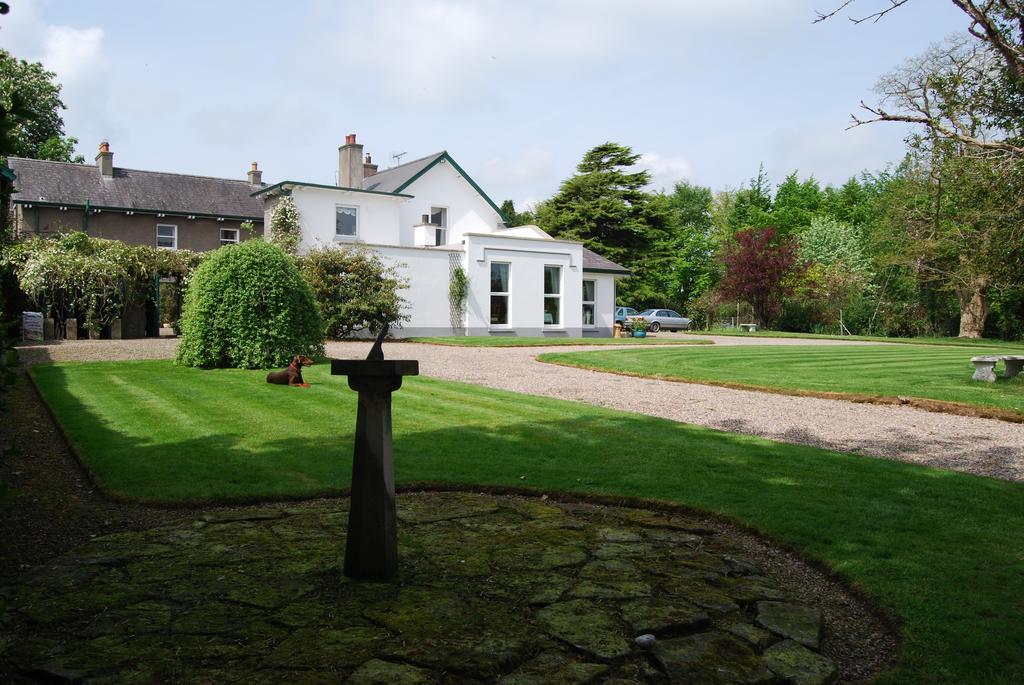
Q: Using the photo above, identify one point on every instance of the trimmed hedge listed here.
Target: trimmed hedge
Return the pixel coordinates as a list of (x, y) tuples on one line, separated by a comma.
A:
[(247, 306)]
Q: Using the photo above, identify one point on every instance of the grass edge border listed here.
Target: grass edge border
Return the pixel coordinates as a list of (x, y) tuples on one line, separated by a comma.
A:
[(923, 403)]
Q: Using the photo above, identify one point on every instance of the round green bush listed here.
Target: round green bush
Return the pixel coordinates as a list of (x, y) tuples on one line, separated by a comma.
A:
[(247, 306)]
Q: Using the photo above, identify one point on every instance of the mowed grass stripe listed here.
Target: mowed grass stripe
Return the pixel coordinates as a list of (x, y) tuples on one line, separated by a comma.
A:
[(884, 371)]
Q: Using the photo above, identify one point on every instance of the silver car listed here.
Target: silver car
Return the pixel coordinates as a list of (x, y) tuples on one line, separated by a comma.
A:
[(665, 318)]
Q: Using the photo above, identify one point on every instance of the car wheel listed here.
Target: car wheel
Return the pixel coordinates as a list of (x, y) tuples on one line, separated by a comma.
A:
[(655, 327)]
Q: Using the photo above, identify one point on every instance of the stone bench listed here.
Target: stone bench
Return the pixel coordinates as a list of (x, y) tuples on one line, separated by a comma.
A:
[(748, 327), (985, 367)]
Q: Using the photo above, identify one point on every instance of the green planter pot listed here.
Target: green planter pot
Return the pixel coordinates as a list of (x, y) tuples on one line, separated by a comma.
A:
[(639, 334)]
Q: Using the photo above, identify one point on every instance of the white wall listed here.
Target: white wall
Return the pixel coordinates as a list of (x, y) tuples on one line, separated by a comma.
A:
[(378, 216), (427, 271), (604, 303), (527, 259), (442, 186)]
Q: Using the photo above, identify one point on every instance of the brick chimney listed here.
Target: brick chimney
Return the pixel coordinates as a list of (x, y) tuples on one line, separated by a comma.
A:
[(255, 176), (369, 168), (105, 160), (350, 163)]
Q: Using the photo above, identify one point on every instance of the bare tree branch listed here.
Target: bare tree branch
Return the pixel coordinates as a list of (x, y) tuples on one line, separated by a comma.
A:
[(874, 17)]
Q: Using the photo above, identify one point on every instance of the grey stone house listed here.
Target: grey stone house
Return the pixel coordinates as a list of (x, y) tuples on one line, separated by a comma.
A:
[(165, 210)]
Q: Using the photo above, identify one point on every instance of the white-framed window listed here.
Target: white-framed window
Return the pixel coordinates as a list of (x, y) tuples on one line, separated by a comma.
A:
[(228, 236), (500, 272), (589, 296), (552, 295), (167, 236), (346, 222), (439, 218)]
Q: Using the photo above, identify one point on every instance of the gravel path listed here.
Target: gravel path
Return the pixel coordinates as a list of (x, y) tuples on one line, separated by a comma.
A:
[(980, 446)]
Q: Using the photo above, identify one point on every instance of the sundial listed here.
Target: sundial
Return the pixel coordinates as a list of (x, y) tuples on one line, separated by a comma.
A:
[(371, 550)]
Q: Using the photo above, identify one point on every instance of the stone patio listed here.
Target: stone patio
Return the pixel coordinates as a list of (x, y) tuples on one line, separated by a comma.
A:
[(490, 588)]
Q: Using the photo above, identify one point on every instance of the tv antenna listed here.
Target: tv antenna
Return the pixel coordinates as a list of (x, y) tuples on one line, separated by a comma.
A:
[(397, 156)]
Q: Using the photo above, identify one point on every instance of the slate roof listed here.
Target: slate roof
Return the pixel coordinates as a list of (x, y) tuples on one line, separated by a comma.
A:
[(595, 262), (390, 180), (74, 184)]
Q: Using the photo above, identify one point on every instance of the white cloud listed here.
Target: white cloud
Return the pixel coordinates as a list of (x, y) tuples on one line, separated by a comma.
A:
[(77, 57), (455, 54), (529, 166), (665, 171)]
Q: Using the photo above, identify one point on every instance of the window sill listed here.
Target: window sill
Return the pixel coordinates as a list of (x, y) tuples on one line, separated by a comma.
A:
[(345, 238)]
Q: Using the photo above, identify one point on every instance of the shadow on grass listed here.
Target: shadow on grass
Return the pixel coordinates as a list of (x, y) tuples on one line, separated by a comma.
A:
[(939, 548)]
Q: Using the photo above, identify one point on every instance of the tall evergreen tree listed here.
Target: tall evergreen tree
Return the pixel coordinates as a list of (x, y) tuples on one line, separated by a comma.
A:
[(605, 206)]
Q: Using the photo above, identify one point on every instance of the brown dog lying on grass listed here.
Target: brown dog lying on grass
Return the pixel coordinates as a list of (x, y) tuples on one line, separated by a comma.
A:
[(293, 374)]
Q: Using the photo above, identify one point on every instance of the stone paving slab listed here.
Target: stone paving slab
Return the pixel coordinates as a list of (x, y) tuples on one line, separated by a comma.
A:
[(489, 590)]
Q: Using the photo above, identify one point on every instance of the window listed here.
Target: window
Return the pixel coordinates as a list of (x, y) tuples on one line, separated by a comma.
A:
[(552, 296), (167, 236), (346, 221), (228, 236), (439, 218), (589, 289), (499, 293)]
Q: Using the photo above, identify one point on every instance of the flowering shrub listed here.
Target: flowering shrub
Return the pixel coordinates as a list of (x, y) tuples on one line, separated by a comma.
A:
[(285, 225), (74, 273)]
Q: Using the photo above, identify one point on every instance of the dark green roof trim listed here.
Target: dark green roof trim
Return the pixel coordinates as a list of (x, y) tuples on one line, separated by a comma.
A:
[(444, 156), (321, 185), (6, 172), (617, 272), (137, 210)]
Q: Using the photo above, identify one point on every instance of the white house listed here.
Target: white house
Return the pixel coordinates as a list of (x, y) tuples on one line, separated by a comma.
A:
[(429, 217)]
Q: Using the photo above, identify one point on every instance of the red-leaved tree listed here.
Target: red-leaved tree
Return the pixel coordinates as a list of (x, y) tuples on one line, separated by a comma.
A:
[(760, 269)]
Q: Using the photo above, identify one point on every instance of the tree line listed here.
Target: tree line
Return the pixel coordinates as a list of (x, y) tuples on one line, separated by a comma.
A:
[(931, 246)]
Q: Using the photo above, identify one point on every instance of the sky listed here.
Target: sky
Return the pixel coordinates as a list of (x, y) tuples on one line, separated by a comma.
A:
[(517, 92)]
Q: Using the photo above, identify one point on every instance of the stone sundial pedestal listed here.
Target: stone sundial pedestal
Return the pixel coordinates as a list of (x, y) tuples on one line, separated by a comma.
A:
[(371, 550)]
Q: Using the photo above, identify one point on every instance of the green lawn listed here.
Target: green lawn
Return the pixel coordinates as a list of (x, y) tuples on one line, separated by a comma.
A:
[(933, 340), (511, 341), (931, 372), (941, 550)]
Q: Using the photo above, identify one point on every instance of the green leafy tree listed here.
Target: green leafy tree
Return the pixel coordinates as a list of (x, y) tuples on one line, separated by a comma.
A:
[(828, 241), (752, 206), (508, 208), (692, 270), (354, 289), (796, 203), (958, 222), (286, 225), (606, 207), (30, 91), (247, 306)]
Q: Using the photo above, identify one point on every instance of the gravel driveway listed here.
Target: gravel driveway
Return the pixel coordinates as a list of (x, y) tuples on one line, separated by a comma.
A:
[(980, 446)]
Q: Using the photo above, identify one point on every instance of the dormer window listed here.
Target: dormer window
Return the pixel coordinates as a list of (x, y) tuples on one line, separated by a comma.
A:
[(439, 218), (346, 222)]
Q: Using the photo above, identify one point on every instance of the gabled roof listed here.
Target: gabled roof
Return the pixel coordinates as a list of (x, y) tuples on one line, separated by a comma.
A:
[(398, 178), (595, 262), (45, 182), (285, 188)]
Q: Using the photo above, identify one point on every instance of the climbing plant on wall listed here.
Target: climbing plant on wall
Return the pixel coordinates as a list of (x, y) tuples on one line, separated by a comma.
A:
[(458, 292), (74, 274), (285, 225)]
